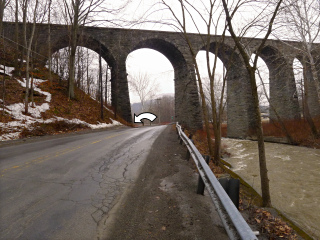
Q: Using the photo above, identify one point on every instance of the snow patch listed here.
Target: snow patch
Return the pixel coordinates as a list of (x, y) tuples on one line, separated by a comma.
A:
[(92, 126), (24, 121), (105, 125), (8, 70), (9, 136)]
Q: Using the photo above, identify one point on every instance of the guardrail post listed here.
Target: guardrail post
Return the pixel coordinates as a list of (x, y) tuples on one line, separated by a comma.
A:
[(188, 155), (232, 188), (201, 184)]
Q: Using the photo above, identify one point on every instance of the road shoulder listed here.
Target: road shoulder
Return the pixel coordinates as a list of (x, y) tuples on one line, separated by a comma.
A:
[(162, 203)]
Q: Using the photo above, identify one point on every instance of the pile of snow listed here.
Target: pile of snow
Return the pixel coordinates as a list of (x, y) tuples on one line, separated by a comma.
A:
[(22, 121), (92, 126)]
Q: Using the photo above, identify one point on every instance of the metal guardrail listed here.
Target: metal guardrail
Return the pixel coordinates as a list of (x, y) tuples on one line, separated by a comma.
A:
[(234, 224)]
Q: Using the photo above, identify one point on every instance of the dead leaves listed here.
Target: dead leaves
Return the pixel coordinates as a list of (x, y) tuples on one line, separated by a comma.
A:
[(275, 227)]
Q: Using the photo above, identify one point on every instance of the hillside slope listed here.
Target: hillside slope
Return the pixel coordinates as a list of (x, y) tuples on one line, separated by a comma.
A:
[(51, 112)]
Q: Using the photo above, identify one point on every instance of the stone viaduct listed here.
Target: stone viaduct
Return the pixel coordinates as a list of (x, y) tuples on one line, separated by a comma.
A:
[(117, 44)]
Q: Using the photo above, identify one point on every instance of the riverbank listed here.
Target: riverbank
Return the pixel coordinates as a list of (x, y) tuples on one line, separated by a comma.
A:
[(293, 174), (268, 221)]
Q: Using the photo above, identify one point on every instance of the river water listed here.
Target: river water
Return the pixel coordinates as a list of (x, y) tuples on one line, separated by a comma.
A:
[(294, 174)]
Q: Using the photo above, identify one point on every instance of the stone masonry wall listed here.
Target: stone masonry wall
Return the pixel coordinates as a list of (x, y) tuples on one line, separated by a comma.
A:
[(117, 44)]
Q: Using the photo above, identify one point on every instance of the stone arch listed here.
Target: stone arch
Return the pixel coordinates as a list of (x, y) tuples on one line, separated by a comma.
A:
[(94, 45), (87, 42), (240, 111), (283, 97), (187, 106)]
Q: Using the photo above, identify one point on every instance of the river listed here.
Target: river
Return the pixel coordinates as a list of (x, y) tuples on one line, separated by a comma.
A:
[(294, 174)]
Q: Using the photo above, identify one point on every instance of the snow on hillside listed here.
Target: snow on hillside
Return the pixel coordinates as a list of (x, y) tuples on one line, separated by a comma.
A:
[(23, 121)]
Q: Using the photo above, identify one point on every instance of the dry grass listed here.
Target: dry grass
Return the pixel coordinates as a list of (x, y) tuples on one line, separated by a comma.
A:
[(82, 107), (298, 129)]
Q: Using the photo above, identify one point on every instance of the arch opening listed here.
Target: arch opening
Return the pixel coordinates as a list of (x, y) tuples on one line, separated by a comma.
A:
[(151, 85), (88, 50), (263, 86), (86, 72), (186, 101)]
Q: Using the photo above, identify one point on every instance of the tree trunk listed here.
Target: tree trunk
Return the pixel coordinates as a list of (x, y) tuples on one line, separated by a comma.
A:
[(16, 63), (72, 71), (101, 87), (32, 83), (217, 142), (28, 54), (106, 87), (88, 80), (216, 116), (2, 7), (205, 115), (265, 189), (49, 42), (24, 6), (72, 58), (31, 90), (3, 89)]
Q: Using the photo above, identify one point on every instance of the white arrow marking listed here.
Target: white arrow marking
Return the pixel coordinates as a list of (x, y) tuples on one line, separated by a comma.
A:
[(146, 115)]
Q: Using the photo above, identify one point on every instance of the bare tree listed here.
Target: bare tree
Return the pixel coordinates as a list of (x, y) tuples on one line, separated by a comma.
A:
[(251, 69), (166, 108), (100, 84), (49, 40), (3, 5), (60, 63), (106, 85), (304, 17), (77, 13), (144, 87), (16, 19), (28, 44), (219, 86), (3, 90), (89, 78), (302, 20)]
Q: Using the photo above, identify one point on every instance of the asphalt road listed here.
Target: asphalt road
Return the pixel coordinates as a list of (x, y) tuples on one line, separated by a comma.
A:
[(63, 188)]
